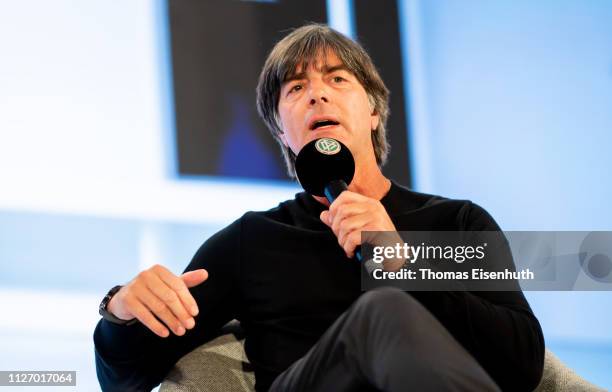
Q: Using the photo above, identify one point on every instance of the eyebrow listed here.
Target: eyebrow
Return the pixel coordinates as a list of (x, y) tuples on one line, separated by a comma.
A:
[(325, 69)]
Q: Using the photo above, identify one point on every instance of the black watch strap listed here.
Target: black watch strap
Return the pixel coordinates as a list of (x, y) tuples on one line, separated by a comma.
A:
[(106, 315)]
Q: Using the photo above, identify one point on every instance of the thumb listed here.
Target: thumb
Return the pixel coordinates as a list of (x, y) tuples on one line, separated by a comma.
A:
[(195, 277)]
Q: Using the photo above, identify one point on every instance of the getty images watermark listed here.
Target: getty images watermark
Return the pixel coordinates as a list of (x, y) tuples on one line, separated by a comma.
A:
[(488, 260)]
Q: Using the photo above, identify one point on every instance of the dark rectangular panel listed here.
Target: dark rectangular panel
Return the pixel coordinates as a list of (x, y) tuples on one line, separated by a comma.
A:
[(218, 49)]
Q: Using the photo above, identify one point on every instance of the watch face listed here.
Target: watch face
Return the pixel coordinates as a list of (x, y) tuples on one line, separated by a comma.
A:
[(107, 299), (106, 315)]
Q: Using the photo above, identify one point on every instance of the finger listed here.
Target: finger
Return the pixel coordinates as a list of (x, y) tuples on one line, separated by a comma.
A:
[(340, 200), (168, 318), (352, 241), (345, 212), (325, 217), (350, 224), (161, 310), (143, 314), (172, 301), (347, 197), (180, 288), (195, 277)]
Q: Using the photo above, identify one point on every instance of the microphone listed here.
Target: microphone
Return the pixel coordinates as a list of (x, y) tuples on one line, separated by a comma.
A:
[(325, 167)]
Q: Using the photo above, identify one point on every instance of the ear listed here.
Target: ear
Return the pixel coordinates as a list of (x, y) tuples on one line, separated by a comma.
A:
[(374, 121), (374, 117)]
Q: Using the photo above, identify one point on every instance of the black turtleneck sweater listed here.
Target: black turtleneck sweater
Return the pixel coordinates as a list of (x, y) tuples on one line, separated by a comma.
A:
[(283, 275)]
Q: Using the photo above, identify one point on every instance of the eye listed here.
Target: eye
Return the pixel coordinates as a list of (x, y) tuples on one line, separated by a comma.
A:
[(295, 88), (338, 79)]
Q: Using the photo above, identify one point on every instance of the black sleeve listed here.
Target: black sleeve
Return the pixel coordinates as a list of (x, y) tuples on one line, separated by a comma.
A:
[(133, 358), (498, 328)]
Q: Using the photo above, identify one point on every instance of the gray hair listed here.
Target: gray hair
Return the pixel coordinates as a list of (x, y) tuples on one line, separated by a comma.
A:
[(301, 47)]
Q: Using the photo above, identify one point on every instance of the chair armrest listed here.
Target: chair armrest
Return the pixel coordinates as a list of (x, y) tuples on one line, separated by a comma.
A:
[(219, 365)]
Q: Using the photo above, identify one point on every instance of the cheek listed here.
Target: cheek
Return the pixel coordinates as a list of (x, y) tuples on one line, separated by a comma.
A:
[(287, 118), (282, 117), (364, 120), (289, 135), (358, 110)]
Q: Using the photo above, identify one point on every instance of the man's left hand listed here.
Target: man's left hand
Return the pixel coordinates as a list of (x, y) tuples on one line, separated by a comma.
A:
[(350, 214)]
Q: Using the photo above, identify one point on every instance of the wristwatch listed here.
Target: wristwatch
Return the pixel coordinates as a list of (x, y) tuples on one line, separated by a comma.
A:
[(106, 315)]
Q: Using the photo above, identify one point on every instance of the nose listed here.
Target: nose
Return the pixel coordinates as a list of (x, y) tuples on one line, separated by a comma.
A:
[(319, 97), (318, 94)]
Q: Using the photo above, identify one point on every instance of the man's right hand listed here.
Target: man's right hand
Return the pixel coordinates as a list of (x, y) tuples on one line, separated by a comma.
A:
[(157, 292)]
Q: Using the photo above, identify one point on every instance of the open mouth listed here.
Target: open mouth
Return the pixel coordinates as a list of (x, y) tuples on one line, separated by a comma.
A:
[(323, 123)]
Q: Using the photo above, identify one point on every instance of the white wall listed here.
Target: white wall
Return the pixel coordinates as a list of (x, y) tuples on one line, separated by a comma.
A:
[(86, 117), (511, 105)]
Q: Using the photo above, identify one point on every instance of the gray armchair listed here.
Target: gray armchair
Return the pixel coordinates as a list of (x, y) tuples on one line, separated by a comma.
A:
[(221, 366)]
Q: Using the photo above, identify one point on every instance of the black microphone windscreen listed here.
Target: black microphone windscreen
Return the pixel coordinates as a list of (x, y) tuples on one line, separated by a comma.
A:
[(322, 161)]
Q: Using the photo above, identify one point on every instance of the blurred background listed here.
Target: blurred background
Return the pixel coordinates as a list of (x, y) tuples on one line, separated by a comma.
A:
[(128, 135)]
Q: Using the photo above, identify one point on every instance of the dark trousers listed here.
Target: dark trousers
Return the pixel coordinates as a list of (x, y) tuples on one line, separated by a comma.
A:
[(386, 341)]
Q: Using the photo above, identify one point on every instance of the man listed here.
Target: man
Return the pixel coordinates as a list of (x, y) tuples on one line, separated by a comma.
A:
[(289, 276)]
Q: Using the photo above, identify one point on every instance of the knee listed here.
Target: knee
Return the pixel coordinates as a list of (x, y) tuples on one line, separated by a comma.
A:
[(381, 318), (386, 297), (386, 301)]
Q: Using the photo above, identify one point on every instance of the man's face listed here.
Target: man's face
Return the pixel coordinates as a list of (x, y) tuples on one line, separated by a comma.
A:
[(326, 100)]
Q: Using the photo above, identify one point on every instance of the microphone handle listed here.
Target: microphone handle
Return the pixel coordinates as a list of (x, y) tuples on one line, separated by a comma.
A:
[(332, 190)]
